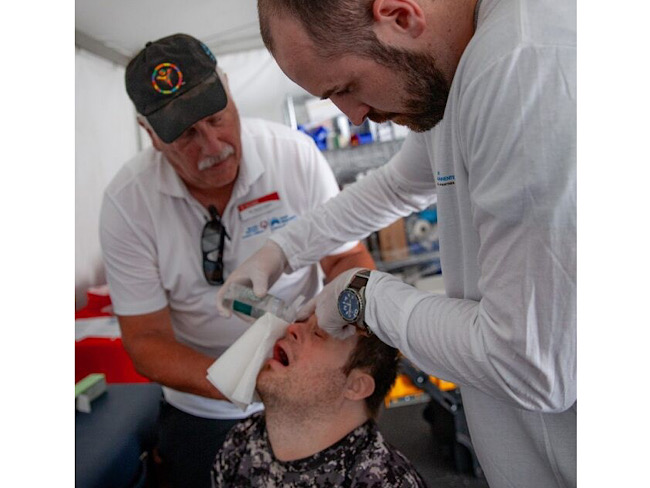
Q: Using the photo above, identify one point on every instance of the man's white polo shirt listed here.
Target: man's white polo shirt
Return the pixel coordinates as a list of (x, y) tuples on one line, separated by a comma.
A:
[(150, 230)]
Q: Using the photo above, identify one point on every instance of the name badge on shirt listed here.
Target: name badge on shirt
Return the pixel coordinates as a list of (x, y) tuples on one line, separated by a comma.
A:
[(259, 206)]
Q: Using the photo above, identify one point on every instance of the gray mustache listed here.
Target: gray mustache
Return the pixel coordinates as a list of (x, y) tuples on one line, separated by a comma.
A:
[(212, 160)]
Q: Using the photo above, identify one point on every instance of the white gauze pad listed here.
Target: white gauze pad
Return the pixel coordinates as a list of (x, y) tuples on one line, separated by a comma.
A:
[(235, 372)]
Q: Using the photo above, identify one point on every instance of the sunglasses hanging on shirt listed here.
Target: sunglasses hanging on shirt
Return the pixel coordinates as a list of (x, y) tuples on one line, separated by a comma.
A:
[(213, 239)]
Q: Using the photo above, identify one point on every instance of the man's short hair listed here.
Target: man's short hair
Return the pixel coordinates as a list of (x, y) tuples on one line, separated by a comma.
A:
[(380, 361), (335, 26)]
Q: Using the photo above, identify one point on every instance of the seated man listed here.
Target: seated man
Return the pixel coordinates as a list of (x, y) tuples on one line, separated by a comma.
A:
[(179, 216), (322, 396)]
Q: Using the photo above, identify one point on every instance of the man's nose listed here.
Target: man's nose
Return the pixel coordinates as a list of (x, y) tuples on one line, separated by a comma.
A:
[(356, 111), (296, 330), (209, 139)]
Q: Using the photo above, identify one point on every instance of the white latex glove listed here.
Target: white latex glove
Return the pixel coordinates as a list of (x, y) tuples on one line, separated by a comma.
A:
[(325, 304), (259, 271)]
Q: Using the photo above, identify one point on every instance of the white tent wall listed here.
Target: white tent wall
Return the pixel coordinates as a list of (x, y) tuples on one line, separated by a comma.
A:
[(107, 135), (258, 86)]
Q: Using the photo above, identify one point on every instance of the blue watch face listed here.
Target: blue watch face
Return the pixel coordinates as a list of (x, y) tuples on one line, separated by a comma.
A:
[(349, 306)]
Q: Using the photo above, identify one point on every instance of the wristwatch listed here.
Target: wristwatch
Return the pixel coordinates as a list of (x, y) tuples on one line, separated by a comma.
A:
[(352, 301)]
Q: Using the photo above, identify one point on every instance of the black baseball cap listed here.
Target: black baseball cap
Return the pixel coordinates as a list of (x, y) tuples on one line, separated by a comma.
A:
[(173, 82)]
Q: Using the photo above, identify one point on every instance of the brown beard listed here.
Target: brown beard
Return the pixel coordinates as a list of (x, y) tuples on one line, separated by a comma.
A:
[(296, 397), (425, 83)]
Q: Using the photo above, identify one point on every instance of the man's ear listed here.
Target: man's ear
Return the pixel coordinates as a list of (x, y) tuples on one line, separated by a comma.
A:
[(359, 385), (398, 18)]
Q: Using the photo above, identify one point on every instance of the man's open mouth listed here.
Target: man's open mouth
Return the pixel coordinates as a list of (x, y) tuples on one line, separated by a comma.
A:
[(280, 356)]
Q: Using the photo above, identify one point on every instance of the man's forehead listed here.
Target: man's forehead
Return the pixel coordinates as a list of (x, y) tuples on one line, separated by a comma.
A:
[(295, 52)]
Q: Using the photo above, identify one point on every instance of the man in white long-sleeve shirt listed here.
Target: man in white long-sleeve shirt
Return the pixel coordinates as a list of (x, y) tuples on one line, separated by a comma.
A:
[(489, 89)]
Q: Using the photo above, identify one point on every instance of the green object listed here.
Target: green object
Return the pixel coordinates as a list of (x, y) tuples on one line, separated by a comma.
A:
[(88, 382), (242, 299), (241, 307)]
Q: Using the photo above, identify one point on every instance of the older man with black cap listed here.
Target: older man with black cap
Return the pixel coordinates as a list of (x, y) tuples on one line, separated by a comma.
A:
[(183, 213)]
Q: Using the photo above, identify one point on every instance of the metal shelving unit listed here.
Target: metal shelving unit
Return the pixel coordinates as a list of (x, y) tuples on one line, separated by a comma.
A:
[(349, 162)]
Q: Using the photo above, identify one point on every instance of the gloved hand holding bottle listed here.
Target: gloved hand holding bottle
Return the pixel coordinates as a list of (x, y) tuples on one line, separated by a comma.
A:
[(260, 271)]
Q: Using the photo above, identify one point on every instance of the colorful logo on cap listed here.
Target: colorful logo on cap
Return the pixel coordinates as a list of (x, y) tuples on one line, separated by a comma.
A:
[(166, 78)]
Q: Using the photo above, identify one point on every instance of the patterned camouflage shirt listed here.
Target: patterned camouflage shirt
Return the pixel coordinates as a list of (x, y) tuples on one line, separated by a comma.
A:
[(362, 459)]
